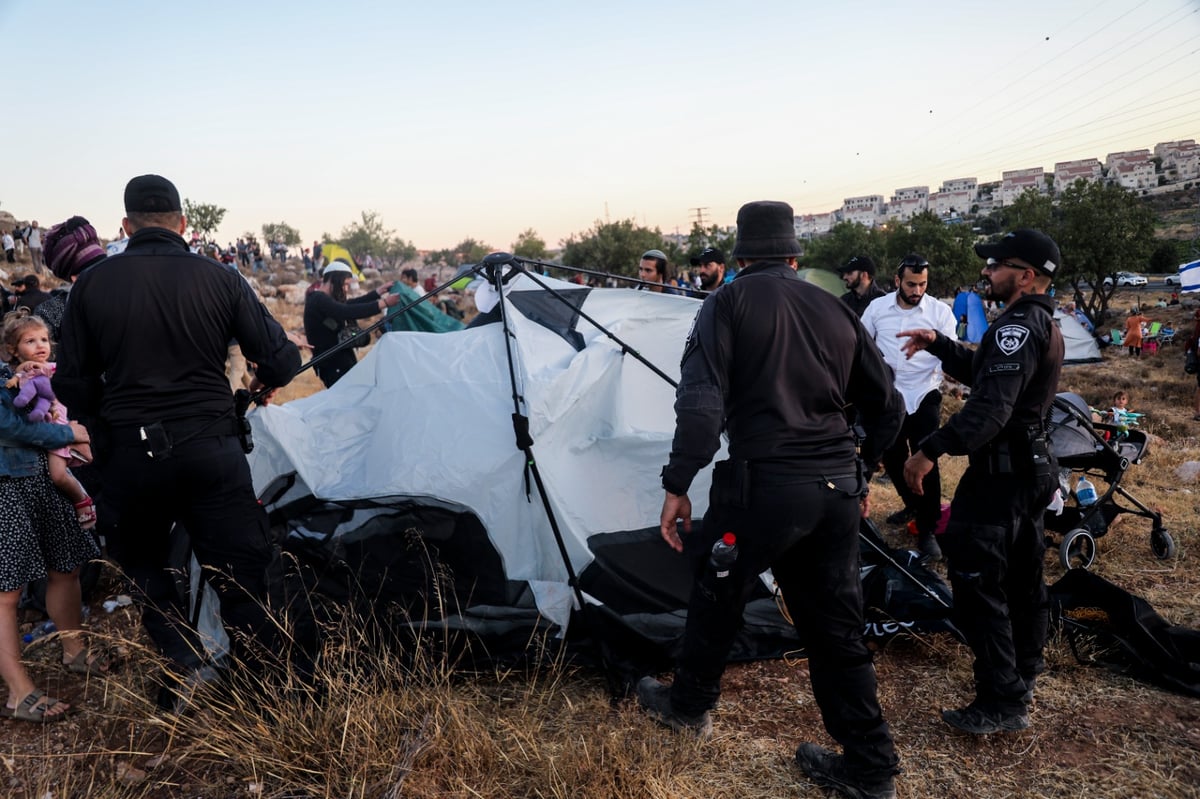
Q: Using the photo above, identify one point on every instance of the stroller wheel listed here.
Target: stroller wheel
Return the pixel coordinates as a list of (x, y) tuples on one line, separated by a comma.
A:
[(1161, 544), (1077, 550)]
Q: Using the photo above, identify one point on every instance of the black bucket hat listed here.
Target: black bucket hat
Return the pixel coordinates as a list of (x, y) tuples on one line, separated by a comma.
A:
[(766, 229)]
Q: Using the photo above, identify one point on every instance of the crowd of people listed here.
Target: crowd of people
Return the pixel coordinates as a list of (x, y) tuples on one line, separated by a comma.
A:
[(165, 440)]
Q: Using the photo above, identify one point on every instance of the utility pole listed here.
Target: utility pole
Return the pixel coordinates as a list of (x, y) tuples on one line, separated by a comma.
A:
[(699, 212)]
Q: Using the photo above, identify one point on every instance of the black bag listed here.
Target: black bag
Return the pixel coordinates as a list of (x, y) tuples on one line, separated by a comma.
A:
[(1190, 364), (351, 332)]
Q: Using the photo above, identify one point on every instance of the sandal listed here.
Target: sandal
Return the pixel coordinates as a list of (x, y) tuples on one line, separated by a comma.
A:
[(37, 708), (93, 664), (85, 513)]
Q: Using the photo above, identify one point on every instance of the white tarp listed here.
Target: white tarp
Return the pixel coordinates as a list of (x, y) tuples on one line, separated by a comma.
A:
[(429, 416)]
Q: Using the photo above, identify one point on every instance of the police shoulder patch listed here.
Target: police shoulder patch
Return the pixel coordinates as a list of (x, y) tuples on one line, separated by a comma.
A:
[(1011, 338)]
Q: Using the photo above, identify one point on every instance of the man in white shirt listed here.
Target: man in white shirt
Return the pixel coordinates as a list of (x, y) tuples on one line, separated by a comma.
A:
[(919, 381)]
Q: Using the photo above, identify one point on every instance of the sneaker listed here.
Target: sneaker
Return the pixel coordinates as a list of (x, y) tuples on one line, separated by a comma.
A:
[(655, 698), (902, 516), (829, 771), (977, 721), (927, 545)]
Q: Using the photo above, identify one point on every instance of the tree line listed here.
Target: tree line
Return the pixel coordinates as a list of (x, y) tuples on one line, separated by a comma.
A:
[(1101, 229)]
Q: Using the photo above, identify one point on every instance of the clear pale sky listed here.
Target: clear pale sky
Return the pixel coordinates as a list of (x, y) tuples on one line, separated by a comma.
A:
[(460, 119)]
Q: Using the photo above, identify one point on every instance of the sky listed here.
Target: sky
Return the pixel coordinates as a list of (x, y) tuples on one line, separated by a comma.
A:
[(482, 120)]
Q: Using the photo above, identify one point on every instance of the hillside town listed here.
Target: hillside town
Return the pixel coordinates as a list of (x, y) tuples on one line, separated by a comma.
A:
[(1170, 166)]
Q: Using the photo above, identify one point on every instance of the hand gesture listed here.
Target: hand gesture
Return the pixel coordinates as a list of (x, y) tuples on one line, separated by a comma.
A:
[(917, 341)]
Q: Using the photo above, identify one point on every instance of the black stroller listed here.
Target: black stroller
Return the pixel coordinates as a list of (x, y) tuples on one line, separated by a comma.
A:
[(1084, 447)]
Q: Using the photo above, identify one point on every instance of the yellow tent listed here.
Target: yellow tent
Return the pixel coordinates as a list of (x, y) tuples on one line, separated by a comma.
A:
[(335, 252)]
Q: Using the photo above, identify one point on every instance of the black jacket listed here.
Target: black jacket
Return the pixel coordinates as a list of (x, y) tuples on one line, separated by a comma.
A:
[(778, 361), (1013, 378), (859, 304), (324, 317), (147, 332)]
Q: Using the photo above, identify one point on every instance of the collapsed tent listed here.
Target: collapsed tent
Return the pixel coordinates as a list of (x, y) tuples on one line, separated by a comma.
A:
[(406, 477), (1079, 346)]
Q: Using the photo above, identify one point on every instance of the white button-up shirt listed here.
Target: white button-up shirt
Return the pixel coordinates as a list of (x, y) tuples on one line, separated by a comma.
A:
[(916, 376)]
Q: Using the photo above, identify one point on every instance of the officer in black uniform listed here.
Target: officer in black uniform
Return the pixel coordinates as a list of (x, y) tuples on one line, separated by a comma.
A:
[(994, 539), (859, 276), (776, 361), (142, 358)]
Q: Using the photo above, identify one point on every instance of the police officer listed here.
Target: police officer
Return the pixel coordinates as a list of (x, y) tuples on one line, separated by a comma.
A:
[(994, 539), (776, 361), (142, 358)]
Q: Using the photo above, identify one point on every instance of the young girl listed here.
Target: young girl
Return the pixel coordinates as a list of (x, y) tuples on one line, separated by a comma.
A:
[(39, 537), (27, 340)]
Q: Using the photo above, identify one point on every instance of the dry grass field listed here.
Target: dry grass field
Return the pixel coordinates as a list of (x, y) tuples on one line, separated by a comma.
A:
[(390, 729)]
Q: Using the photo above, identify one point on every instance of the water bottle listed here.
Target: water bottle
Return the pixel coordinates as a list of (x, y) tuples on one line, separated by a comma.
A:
[(1085, 492), (43, 629), (718, 579)]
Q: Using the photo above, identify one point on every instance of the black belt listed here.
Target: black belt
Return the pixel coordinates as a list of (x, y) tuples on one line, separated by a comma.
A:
[(180, 431)]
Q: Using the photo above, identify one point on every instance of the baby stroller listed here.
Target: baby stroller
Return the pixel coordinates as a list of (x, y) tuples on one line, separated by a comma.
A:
[(1084, 447)]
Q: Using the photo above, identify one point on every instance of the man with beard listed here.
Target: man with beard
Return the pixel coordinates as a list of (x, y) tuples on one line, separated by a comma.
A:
[(919, 380), (994, 539), (861, 290), (710, 266)]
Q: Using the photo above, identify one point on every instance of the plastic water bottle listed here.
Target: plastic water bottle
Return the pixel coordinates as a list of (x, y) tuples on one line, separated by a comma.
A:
[(43, 629), (718, 578), (1085, 492)]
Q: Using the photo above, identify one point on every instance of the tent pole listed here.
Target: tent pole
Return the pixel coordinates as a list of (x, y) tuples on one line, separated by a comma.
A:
[(394, 312), (625, 348), (494, 272)]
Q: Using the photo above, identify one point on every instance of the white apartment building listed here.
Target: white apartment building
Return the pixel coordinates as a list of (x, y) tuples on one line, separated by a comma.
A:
[(955, 197), (908, 202), (1016, 182), (1067, 172), (1127, 158), (809, 225), (1132, 169), (1180, 159), (866, 210)]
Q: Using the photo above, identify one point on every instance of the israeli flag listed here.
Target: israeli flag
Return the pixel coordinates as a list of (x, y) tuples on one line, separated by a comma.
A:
[(1189, 276)]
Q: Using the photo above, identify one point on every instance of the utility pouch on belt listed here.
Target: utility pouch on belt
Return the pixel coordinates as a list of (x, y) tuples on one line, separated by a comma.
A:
[(241, 404), (1043, 461), (156, 440), (731, 479)]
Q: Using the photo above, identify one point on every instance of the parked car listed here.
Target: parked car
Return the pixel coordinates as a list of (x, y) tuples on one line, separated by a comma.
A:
[(1126, 279), (1173, 280)]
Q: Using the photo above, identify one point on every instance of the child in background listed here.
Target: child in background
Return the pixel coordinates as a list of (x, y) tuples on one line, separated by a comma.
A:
[(27, 341)]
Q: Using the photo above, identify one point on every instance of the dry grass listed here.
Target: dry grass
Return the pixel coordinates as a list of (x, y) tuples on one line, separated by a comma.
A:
[(388, 726)]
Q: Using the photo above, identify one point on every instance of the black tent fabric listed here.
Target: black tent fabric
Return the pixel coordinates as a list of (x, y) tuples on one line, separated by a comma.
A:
[(406, 568), (1134, 637)]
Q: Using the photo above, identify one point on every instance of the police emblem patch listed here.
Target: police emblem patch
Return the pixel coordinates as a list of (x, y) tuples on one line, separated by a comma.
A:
[(1011, 338)]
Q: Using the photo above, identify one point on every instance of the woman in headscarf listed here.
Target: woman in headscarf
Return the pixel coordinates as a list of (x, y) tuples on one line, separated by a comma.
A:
[(68, 248)]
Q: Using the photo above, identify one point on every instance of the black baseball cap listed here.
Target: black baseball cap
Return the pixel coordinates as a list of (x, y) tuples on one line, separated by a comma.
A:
[(707, 256), (1031, 246), (151, 194), (859, 263), (27, 281)]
